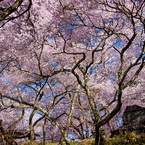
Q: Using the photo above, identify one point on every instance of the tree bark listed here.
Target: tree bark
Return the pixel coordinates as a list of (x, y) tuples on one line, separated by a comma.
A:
[(32, 135), (100, 136), (97, 136), (44, 132)]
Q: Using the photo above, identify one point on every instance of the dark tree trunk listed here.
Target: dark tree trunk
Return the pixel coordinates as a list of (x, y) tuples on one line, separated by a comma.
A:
[(99, 136)]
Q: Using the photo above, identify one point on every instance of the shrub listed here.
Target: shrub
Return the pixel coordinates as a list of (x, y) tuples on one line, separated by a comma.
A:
[(129, 138)]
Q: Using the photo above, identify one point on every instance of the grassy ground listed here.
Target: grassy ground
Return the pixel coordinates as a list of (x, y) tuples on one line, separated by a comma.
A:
[(36, 143), (123, 139), (86, 142), (83, 142)]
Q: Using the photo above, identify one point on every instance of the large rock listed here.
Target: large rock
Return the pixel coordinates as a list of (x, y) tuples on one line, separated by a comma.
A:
[(133, 120)]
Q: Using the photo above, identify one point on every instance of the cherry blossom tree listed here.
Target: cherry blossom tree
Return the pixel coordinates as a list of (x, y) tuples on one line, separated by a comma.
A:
[(74, 63), (12, 9)]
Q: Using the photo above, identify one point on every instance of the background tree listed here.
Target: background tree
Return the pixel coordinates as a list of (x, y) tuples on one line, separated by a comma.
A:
[(11, 9), (74, 63)]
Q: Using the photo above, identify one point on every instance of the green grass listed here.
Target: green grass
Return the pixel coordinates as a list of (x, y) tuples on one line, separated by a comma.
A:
[(82, 142), (123, 139)]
